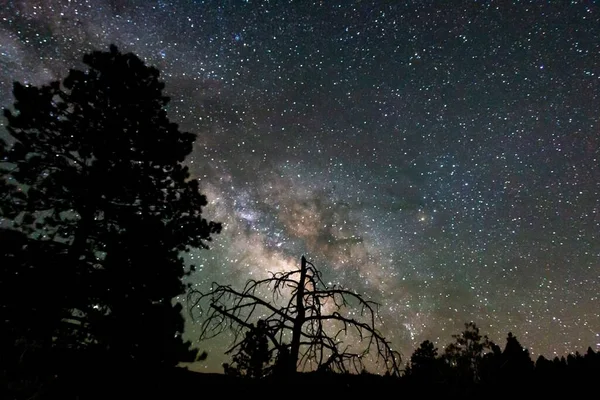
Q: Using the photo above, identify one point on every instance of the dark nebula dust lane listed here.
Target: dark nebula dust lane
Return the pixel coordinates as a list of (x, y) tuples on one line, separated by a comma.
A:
[(443, 159)]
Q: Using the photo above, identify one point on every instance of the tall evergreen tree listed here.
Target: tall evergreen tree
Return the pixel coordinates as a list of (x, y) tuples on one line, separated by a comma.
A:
[(466, 353), (425, 363), (96, 179), (516, 362), (254, 357)]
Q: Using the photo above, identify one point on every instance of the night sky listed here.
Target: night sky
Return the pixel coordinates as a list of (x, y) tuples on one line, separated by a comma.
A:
[(440, 156)]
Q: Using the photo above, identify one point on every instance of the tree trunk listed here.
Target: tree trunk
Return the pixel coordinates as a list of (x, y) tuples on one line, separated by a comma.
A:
[(299, 320)]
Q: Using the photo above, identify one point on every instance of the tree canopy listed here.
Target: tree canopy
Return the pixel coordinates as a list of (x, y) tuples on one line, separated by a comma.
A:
[(97, 206), (466, 352)]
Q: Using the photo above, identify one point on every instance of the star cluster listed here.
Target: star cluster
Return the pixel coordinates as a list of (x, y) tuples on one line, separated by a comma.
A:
[(442, 158)]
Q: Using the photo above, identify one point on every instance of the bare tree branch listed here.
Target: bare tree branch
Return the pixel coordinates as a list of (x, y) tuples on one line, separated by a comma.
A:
[(304, 319)]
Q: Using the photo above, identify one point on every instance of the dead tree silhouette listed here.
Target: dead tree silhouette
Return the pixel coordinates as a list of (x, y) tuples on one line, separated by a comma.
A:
[(302, 334)]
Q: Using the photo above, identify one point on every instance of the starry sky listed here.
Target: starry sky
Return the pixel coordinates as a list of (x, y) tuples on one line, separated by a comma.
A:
[(440, 156)]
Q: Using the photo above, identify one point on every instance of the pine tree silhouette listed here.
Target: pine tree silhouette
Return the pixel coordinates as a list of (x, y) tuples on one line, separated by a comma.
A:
[(100, 207), (254, 357), (516, 363), (466, 353), (425, 365)]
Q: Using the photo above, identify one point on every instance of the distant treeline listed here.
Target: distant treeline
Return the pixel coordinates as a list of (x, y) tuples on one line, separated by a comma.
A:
[(472, 365), (473, 362)]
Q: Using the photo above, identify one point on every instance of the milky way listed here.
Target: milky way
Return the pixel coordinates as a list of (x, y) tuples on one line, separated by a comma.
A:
[(442, 159)]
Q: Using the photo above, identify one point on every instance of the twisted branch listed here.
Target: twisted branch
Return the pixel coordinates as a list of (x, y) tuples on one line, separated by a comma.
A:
[(321, 333)]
